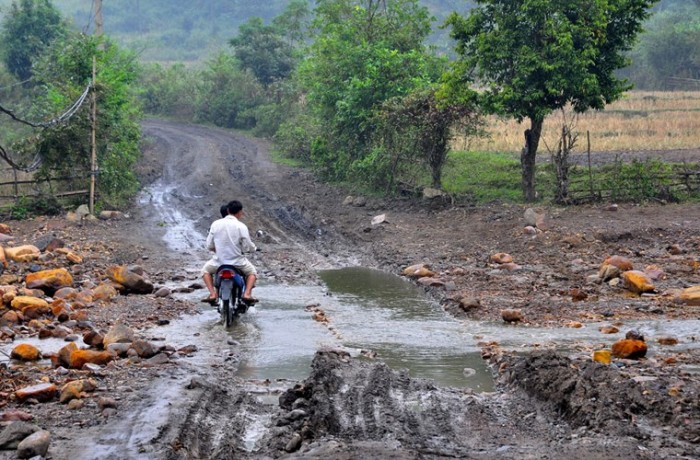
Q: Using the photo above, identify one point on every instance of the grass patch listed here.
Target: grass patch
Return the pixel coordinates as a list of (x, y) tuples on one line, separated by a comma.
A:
[(483, 176)]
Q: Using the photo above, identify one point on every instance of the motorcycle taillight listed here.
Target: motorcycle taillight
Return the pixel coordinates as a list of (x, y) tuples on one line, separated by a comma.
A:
[(226, 274)]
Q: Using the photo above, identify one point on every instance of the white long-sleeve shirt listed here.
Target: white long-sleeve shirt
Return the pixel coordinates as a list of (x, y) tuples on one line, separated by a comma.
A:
[(229, 238)]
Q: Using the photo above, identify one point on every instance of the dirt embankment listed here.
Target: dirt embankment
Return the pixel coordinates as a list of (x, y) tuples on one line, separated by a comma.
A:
[(550, 404)]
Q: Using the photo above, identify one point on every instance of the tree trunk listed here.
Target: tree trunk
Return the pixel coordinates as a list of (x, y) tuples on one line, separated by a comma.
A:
[(527, 158)]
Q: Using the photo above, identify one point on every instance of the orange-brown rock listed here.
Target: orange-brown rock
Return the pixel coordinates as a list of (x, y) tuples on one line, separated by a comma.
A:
[(637, 282), (76, 389), (80, 315), (501, 258), (691, 296), (623, 263), (602, 356), (10, 292), (79, 358), (85, 297), (42, 392), (23, 253), (654, 272), (667, 341), (26, 352), (22, 302), (104, 291), (12, 316), (66, 293), (512, 315), (418, 271), (629, 349), (5, 229), (577, 295), (63, 356), (133, 282), (35, 311), (609, 330), (50, 280)]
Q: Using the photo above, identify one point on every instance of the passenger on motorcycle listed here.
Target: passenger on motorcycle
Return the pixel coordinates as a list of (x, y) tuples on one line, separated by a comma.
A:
[(229, 238)]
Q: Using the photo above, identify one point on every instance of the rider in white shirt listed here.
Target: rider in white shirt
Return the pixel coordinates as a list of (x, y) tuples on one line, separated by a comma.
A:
[(229, 238)]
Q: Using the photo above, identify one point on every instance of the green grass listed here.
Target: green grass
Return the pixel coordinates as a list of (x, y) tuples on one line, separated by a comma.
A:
[(484, 177)]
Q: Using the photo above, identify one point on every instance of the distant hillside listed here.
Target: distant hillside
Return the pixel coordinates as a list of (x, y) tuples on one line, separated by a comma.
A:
[(189, 30)]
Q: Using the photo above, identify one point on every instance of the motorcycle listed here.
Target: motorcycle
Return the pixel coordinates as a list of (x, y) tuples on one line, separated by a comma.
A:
[(230, 286)]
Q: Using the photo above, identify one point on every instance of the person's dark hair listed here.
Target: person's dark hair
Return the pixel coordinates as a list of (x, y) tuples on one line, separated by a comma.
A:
[(234, 206), (224, 210)]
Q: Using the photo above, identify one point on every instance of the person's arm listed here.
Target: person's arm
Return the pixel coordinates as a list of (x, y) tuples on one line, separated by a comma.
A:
[(247, 244), (210, 241)]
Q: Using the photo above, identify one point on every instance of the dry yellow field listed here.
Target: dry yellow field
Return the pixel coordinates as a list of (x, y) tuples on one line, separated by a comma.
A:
[(641, 120)]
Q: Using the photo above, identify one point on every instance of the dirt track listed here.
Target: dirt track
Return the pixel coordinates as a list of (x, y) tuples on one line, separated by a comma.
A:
[(549, 404)]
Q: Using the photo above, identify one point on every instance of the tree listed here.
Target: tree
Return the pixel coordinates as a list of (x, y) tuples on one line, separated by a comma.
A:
[(365, 52), (536, 56), (62, 73), (417, 129), (263, 50), (27, 30)]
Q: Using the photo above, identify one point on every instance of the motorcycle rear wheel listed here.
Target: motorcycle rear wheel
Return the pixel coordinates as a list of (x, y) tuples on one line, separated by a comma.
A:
[(227, 312)]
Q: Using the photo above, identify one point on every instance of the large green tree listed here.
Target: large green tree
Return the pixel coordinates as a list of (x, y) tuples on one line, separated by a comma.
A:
[(364, 53), (27, 30), (62, 73), (532, 57)]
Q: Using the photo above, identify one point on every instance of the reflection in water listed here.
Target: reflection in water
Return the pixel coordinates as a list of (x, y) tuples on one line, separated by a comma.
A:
[(391, 317)]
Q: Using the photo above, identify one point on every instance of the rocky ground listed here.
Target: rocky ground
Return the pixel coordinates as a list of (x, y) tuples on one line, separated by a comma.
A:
[(543, 267)]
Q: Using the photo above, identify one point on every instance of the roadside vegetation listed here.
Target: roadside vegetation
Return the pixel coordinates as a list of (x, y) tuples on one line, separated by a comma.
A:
[(367, 95)]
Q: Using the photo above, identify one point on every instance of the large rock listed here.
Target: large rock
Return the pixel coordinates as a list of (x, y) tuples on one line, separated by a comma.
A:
[(42, 392), (131, 281), (417, 271), (79, 358), (26, 352), (34, 445), (119, 333), (637, 282), (75, 389), (621, 262), (690, 296), (24, 253), (14, 433), (22, 302), (629, 349), (49, 280)]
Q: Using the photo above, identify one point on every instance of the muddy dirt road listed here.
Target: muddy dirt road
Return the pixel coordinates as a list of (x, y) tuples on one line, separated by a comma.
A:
[(551, 401)]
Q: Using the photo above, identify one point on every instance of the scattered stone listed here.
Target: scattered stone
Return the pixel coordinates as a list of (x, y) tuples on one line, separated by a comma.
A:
[(667, 341), (512, 315), (621, 262), (75, 404), (501, 258), (629, 349), (15, 416), (430, 282), (163, 292), (14, 433), (119, 333), (468, 303), (103, 402), (144, 349), (380, 219), (418, 271), (104, 291), (294, 444), (578, 295), (24, 253), (42, 392), (602, 356), (157, 360), (22, 302), (130, 280), (609, 330), (79, 358), (690, 296), (637, 282), (49, 280), (654, 272), (25, 352)]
